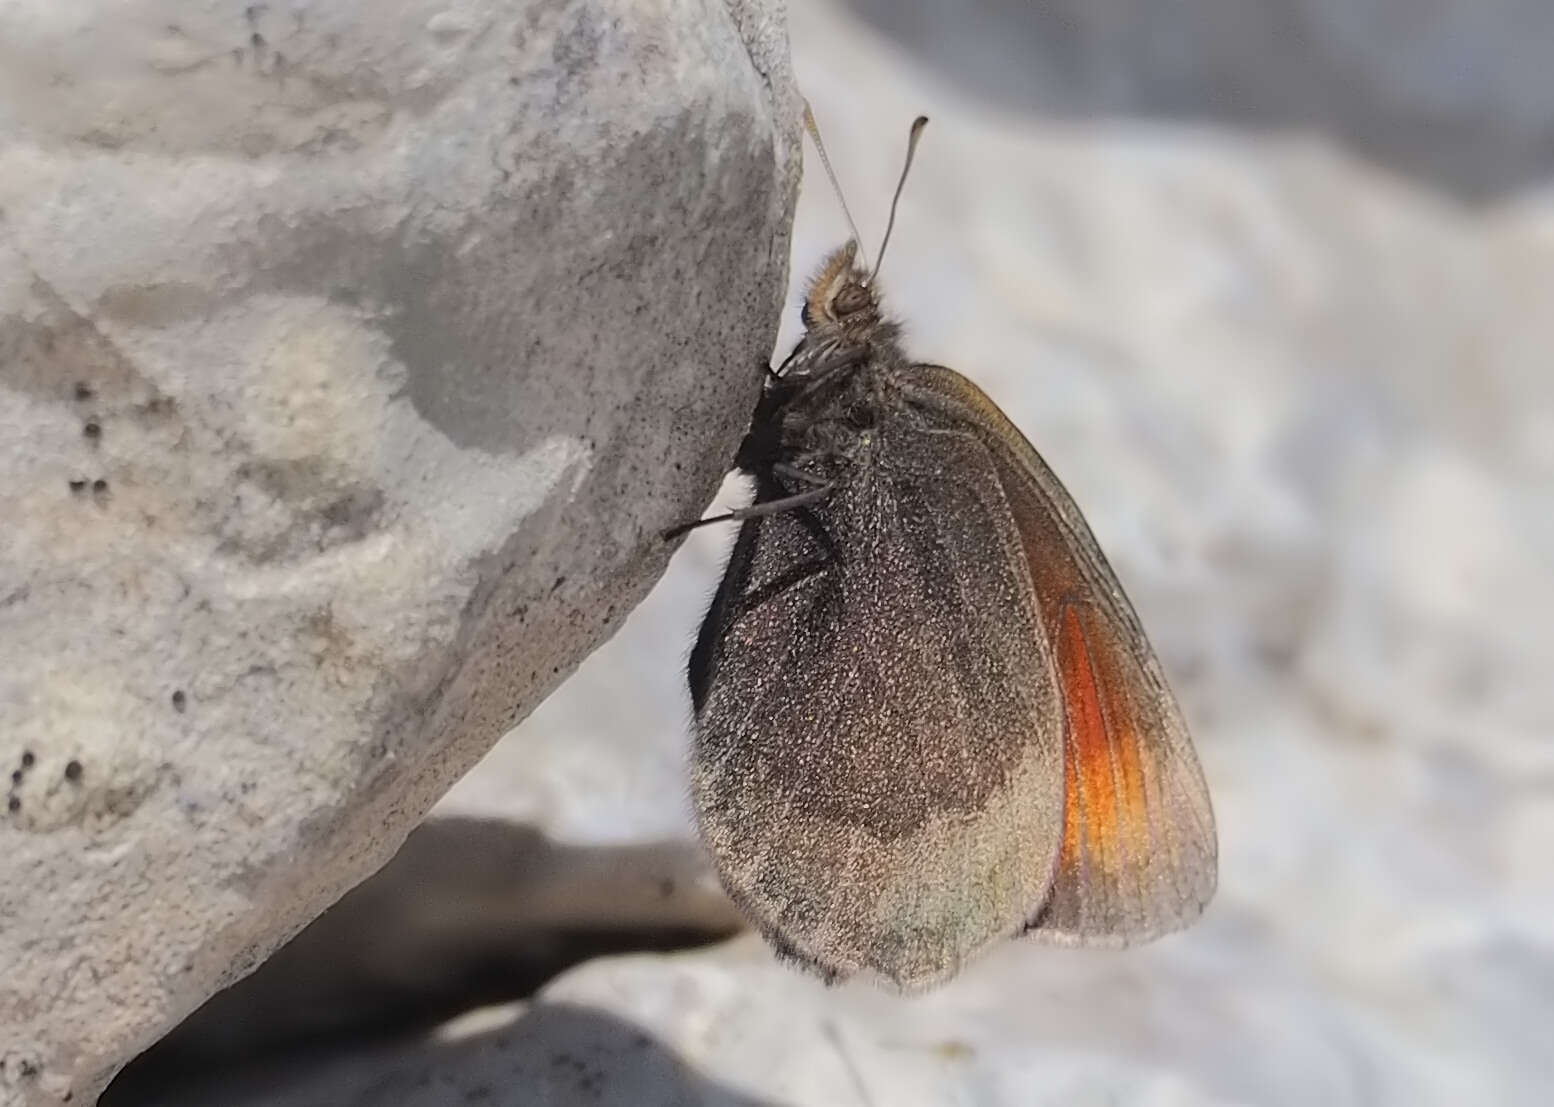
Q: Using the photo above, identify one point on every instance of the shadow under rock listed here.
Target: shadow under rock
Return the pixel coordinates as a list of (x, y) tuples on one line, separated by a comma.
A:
[(469, 912), (549, 1055), (1458, 93)]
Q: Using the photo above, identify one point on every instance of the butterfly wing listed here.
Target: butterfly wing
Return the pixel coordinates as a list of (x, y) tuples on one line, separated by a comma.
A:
[(1138, 853), (878, 768)]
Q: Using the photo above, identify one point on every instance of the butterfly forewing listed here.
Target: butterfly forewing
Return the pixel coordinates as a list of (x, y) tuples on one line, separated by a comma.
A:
[(879, 764), (1138, 850)]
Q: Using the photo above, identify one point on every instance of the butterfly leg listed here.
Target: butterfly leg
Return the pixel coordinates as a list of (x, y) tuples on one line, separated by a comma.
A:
[(754, 511), (819, 489)]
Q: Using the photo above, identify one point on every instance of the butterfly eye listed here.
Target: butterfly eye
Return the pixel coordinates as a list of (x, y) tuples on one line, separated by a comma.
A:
[(853, 298), (804, 314)]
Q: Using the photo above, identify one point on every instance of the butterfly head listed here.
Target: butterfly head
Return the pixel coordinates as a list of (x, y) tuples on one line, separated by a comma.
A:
[(842, 304), (842, 309)]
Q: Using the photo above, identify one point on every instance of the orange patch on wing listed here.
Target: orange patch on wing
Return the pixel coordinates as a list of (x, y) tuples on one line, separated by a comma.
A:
[(1106, 816)]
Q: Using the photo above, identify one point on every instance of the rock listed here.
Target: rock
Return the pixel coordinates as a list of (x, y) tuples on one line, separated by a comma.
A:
[(351, 360), (468, 912), (545, 1055), (1455, 93)]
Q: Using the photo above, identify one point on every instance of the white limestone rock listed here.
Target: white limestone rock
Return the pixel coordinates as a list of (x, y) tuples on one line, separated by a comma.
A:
[(517, 1054), (352, 356)]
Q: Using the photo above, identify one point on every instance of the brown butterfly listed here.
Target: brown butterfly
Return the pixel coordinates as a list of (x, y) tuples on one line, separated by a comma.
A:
[(927, 717)]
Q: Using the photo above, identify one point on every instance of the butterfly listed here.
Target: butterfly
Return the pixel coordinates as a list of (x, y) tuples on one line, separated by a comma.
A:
[(926, 716)]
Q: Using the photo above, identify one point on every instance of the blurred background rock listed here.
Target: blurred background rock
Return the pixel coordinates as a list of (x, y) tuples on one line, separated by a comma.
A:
[(1269, 286)]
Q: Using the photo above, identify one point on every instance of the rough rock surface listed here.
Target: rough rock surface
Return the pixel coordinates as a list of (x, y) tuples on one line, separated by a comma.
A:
[(469, 912), (352, 356)]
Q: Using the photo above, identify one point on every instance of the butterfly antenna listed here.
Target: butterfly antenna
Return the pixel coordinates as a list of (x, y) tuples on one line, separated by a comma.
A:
[(917, 130), (820, 148)]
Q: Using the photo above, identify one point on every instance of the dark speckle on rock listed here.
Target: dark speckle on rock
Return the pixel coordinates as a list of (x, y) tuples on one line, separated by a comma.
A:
[(83, 391), (99, 486), (78, 486), (14, 804), (16, 776), (180, 701), (92, 429), (73, 770), (27, 759)]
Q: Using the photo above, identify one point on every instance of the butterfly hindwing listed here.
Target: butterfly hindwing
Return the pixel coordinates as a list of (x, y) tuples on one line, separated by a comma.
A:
[(1138, 852)]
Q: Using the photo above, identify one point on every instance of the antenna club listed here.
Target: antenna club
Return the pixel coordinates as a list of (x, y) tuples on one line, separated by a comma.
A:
[(912, 136)]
